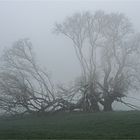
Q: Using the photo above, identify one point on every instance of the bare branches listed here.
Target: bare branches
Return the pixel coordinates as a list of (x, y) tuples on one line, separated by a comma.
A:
[(108, 51), (23, 81), (111, 36)]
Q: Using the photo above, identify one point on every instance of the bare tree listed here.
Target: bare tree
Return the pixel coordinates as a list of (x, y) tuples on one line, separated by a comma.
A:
[(104, 45), (120, 46), (24, 86), (84, 31)]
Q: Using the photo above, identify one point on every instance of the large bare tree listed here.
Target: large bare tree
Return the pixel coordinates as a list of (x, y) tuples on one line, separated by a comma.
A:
[(106, 47)]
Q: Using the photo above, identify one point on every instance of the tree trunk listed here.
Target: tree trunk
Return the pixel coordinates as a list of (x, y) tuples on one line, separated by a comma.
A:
[(95, 107), (108, 105), (90, 105)]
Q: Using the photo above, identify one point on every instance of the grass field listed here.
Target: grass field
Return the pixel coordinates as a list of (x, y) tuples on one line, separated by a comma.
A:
[(113, 125)]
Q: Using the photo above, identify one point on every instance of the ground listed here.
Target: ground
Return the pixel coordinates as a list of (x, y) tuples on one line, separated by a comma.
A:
[(110, 125)]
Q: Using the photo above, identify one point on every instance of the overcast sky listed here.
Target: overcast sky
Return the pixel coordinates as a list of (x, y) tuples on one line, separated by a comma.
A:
[(35, 20)]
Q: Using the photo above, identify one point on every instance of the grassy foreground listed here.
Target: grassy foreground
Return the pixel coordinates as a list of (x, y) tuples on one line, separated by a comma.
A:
[(113, 125)]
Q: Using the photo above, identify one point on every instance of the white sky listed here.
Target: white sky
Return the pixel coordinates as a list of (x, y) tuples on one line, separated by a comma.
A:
[(35, 20)]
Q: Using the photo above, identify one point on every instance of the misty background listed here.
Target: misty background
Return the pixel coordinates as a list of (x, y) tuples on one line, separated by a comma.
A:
[(35, 20)]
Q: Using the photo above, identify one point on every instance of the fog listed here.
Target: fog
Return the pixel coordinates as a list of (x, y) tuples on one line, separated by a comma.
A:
[(35, 20)]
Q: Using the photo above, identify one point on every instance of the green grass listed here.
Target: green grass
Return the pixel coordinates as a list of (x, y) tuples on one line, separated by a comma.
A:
[(113, 125)]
